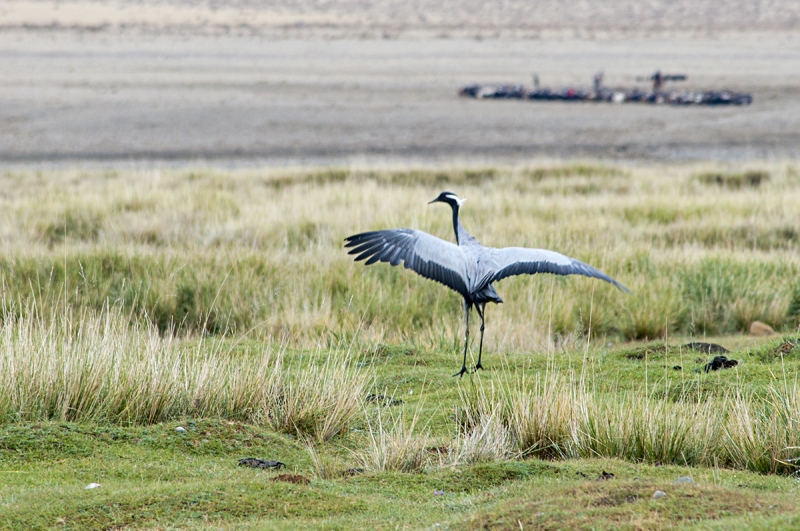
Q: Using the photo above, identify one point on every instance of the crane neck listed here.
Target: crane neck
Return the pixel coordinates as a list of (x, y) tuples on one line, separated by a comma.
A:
[(461, 233)]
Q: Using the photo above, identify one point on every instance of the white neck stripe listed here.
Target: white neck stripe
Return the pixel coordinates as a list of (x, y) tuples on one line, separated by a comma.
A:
[(455, 198)]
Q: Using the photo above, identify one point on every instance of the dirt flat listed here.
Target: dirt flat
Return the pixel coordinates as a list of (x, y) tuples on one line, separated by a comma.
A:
[(134, 89)]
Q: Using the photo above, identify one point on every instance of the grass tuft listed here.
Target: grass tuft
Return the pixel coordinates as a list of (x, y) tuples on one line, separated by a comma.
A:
[(393, 445), (106, 368)]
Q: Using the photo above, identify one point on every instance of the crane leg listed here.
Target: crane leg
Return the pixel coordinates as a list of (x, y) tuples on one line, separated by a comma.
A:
[(481, 308), (467, 308)]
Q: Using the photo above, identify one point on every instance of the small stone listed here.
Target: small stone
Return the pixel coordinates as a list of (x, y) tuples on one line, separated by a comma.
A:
[(757, 328), (180, 429), (91, 486), (659, 494), (684, 479)]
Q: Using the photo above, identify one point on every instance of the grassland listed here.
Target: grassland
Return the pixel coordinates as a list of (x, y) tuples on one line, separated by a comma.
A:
[(135, 302)]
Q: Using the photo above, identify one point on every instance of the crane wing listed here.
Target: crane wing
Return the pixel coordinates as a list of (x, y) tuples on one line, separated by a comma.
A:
[(427, 255), (521, 261)]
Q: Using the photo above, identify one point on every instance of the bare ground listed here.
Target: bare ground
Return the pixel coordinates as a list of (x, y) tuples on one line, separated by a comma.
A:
[(97, 84)]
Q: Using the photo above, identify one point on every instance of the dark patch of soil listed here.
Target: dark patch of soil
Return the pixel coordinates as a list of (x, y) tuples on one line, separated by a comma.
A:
[(292, 478), (706, 348)]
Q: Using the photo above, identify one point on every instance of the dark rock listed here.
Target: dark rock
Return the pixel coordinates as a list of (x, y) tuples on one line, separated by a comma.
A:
[(706, 348), (252, 462), (677, 368), (720, 362)]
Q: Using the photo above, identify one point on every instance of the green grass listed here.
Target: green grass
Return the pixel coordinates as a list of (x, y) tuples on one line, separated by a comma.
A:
[(155, 478)]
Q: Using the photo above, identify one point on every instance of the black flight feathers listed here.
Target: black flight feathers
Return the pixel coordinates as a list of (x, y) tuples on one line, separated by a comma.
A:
[(400, 245)]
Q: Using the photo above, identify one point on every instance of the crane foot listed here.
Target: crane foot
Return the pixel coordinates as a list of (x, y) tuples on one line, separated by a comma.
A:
[(462, 371), (478, 366)]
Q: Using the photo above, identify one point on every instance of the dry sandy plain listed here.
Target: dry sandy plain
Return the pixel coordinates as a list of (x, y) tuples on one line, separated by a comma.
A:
[(348, 82)]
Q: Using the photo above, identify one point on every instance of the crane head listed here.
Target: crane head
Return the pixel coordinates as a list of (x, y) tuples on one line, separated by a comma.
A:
[(448, 197)]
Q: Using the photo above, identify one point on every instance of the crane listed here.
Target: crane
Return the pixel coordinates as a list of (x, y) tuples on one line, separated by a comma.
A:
[(466, 267)]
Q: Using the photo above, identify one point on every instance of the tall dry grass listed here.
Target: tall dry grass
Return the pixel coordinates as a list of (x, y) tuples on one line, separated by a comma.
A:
[(108, 367), (558, 417)]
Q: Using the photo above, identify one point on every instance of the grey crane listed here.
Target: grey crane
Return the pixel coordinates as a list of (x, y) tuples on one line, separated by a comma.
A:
[(466, 267)]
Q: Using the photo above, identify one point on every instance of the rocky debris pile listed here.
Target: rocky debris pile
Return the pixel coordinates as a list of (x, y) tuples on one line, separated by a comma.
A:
[(601, 93)]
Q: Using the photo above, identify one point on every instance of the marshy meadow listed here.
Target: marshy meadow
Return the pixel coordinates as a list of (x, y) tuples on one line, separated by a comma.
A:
[(157, 326)]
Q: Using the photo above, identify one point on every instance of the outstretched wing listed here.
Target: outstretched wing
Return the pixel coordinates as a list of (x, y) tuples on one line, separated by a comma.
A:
[(511, 261), (427, 255)]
